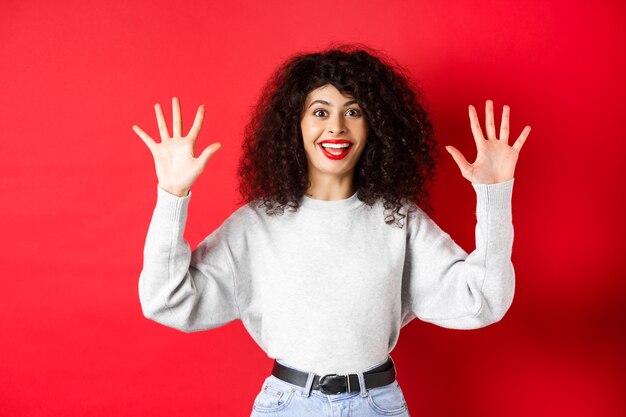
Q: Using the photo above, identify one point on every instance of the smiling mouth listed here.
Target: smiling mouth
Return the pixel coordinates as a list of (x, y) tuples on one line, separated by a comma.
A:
[(335, 152)]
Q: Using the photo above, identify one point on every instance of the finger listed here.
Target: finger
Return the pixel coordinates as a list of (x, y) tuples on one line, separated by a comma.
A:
[(208, 153), (161, 122), (475, 125), (504, 126), (144, 136), (522, 138), (177, 123), (459, 159), (197, 124), (490, 124)]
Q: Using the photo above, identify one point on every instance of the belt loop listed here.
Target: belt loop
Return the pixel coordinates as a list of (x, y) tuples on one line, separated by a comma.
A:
[(362, 384), (309, 384)]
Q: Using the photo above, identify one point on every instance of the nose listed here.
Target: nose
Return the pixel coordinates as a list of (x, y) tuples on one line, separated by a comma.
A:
[(336, 124)]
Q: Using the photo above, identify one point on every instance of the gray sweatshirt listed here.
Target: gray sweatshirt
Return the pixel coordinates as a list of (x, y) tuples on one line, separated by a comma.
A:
[(327, 288)]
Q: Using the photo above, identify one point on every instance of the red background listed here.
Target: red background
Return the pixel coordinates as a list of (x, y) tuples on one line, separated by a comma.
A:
[(78, 187)]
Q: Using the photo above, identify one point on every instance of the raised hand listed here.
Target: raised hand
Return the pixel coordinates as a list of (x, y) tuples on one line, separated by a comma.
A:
[(176, 167), (495, 161)]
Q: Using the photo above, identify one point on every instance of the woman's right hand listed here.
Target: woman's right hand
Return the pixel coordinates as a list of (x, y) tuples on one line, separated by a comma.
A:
[(176, 167)]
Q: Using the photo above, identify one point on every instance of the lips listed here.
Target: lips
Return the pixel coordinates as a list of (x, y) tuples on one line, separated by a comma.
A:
[(335, 147)]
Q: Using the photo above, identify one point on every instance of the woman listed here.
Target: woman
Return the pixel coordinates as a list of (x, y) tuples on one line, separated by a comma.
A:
[(341, 141)]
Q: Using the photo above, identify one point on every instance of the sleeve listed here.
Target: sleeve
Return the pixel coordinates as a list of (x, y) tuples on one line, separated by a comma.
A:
[(185, 290), (453, 289)]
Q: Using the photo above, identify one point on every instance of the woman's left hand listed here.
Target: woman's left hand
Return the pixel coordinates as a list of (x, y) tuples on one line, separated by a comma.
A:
[(496, 160)]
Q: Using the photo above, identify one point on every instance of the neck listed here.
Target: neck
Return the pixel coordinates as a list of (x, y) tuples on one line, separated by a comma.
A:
[(331, 187)]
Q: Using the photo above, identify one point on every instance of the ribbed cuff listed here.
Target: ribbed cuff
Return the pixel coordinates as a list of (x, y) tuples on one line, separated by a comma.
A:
[(496, 195), (170, 205)]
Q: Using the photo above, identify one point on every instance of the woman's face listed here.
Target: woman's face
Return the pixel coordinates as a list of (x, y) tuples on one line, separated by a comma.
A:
[(329, 118)]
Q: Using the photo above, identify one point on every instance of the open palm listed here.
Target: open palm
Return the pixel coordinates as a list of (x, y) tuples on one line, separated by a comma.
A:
[(495, 160), (176, 167)]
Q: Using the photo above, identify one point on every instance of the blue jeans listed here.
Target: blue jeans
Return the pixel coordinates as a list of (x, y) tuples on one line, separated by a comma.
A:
[(278, 398)]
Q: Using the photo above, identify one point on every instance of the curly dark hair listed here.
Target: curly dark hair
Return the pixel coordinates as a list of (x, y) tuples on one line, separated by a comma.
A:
[(398, 158)]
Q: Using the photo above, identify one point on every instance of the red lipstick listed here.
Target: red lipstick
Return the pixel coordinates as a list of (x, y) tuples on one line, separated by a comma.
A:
[(336, 156)]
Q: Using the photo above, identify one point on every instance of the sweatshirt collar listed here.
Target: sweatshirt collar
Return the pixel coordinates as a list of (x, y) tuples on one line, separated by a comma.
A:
[(346, 204)]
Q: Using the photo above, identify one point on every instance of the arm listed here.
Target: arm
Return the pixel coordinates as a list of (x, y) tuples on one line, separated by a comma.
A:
[(453, 289), (188, 291), (180, 289)]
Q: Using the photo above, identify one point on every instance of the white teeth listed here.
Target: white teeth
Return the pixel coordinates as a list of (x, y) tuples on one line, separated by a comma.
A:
[(335, 145)]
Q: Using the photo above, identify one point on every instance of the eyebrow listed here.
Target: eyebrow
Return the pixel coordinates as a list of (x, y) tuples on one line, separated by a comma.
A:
[(347, 103)]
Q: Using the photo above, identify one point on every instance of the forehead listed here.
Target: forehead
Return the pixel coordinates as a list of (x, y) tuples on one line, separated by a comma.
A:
[(328, 92)]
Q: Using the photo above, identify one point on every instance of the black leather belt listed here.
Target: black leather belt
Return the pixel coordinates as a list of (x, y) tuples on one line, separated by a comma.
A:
[(334, 384)]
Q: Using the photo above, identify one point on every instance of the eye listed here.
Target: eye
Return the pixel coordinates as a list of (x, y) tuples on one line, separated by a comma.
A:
[(356, 113), (317, 111)]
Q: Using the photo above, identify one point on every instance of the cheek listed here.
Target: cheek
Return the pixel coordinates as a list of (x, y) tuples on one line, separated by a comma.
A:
[(310, 131), (361, 130)]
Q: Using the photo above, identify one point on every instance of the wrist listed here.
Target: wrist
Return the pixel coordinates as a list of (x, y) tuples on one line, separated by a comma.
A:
[(178, 192)]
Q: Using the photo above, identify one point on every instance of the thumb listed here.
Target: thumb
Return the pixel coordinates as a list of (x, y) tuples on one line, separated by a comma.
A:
[(458, 158), (207, 153)]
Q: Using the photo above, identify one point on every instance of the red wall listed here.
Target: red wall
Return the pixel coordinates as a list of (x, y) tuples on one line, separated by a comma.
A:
[(78, 188)]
